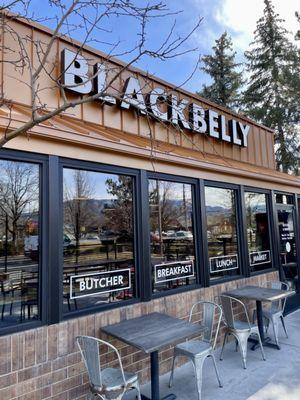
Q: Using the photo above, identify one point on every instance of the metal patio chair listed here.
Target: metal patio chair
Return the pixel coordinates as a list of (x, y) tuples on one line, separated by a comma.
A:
[(107, 383), (241, 330), (274, 313), (198, 350)]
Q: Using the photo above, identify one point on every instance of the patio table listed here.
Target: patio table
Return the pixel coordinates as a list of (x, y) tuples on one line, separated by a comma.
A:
[(150, 333), (260, 294)]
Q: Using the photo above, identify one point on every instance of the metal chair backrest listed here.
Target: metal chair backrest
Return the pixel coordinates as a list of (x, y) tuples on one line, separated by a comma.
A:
[(210, 310), (90, 351), (227, 306), (278, 305)]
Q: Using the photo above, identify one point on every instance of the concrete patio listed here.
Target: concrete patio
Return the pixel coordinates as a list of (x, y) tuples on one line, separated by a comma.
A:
[(277, 378)]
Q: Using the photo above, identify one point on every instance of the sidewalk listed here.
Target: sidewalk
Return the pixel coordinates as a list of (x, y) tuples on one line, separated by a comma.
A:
[(277, 378)]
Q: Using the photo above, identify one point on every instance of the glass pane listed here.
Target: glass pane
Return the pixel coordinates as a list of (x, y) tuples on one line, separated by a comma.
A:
[(287, 242), (98, 239), (221, 232), (258, 235), (19, 242), (284, 198), (171, 235)]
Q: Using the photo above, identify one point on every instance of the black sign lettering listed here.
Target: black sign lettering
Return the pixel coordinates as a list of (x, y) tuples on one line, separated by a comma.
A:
[(99, 282), (260, 257), (223, 263), (172, 271)]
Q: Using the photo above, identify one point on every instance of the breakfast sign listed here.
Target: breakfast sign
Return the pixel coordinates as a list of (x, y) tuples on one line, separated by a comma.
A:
[(76, 76)]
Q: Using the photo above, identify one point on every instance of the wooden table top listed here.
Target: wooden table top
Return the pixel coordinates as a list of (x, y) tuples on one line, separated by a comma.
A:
[(153, 331), (259, 293)]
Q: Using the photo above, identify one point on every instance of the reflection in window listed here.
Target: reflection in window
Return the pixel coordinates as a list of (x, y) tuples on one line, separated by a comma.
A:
[(98, 239), (221, 232), (171, 234), (19, 242), (284, 198), (258, 235)]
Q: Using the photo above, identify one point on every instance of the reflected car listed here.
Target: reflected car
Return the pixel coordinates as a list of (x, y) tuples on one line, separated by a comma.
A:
[(184, 235)]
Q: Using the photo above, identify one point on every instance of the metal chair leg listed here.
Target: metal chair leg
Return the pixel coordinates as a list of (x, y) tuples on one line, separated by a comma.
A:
[(224, 342), (243, 342), (216, 369), (198, 364), (136, 386), (275, 329), (261, 347), (172, 372), (283, 325)]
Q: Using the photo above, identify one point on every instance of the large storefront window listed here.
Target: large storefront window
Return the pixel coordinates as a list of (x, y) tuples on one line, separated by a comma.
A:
[(171, 235), (258, 235), (222, 232), (19, 242), (98, 239)]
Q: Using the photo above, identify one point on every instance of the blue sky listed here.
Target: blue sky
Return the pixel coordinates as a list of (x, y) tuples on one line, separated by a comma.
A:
[(238, 17)]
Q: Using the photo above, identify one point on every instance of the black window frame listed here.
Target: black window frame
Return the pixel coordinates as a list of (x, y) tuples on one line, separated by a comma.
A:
[(271, 227), (239, 230), (109, 169), (51, 231), (194, 182), (296, 227), (43, 282)]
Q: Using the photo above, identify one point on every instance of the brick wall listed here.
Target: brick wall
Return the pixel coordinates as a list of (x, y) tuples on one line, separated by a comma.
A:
[(45, 363)]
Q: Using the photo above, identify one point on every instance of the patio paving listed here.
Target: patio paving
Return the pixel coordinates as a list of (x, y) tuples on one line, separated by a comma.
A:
[(277, 378)]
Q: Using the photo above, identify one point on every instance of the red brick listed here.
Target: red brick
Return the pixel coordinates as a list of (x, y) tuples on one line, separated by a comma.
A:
[(66, 385), (5, 355), (8, 380)]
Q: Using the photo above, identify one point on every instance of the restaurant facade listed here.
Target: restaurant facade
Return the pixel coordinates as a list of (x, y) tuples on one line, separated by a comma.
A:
[(147, 199)]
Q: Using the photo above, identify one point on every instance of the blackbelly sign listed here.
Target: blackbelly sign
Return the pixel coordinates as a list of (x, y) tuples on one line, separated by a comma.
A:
[(76, 76)]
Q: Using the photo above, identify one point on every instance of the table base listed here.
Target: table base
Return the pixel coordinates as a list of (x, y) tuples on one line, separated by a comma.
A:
[(267, 343), (168, 397)]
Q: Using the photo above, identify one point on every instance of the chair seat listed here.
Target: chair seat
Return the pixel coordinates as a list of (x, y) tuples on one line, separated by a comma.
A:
[(112, 378), (269, 314), (244, 326), (193, 348)]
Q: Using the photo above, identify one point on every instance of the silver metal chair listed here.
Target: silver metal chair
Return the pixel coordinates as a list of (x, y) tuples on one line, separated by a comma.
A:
[(274, 313), (241, 330), (107, 383), (198, 350)]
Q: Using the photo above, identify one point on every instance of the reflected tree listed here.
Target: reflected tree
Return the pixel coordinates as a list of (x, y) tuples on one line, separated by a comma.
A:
[(19, 193), (119, 216), (78, 215)]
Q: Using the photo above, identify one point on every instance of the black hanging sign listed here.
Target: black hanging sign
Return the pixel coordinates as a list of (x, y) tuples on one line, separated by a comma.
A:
[(172, 271), (223, 263), (260, 257), (99, 282)]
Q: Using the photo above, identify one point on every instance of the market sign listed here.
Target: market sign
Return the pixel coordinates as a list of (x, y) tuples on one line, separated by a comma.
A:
[(99, 282), (260, 257), (223, 263), (77, 77), (173, 271)]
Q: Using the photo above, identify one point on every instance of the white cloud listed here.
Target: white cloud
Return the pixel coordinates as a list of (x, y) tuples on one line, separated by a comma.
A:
[(240, 17)]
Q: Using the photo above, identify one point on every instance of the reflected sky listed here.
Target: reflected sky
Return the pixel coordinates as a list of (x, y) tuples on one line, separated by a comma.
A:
[(95, 180)]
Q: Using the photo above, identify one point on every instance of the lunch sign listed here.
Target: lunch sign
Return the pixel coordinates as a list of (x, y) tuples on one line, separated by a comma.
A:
[(223, 263), (78, 76)]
